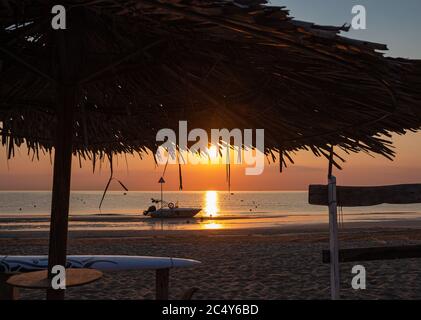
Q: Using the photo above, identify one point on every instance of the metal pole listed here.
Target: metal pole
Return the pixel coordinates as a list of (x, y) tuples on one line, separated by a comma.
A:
[(162, 196)]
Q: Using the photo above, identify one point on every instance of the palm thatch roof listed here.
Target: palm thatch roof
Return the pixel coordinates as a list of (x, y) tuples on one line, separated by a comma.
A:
[(217, 63)]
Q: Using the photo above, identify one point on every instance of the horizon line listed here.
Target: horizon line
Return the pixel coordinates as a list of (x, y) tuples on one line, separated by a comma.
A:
[(101, 190)]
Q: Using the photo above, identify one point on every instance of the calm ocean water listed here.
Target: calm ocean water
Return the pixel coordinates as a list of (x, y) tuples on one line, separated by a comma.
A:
[(239, 209)]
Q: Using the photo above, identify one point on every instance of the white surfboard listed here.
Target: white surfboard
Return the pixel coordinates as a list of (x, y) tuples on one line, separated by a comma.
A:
[(15, 264)]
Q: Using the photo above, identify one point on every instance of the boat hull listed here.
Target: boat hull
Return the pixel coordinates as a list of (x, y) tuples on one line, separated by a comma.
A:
[(175, 213)]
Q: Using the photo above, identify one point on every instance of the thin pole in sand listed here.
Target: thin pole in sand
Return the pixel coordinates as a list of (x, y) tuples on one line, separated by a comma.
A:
[(162, 181), (333, 232)]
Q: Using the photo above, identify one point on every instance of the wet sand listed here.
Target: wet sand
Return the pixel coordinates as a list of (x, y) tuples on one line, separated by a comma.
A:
[(276, 263), (103, 224)]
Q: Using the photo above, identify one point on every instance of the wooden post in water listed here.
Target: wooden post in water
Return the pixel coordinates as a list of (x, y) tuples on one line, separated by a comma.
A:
[(333, 238)]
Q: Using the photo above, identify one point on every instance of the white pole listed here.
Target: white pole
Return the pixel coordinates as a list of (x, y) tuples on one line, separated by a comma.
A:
[(334, 242)]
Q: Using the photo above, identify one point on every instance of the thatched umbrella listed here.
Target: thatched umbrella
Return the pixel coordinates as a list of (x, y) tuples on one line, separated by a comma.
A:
[(124, 69)]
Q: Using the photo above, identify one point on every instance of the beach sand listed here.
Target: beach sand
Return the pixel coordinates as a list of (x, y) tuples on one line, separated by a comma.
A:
[(238, 264)]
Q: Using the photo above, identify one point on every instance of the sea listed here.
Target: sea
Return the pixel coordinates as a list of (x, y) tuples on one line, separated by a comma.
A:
[(30, 210)]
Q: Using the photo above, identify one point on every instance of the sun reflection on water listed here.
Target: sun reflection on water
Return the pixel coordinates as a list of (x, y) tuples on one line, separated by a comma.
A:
[(211, 210), (211, 204), (212, 226)]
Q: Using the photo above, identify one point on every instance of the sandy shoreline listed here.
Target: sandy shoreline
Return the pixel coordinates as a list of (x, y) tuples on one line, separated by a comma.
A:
[(238, 264)]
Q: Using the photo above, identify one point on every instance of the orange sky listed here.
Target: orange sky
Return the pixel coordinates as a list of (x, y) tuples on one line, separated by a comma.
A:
[(21, 173)]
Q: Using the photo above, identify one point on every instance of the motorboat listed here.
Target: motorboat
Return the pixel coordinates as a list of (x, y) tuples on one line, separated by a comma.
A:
[(171, 212)]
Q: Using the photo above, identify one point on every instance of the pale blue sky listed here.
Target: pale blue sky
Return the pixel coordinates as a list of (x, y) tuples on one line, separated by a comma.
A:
[(392, 22)]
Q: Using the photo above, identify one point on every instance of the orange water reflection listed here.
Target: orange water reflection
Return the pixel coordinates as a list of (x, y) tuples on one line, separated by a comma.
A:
[(212, 226), (211, 204), (211, 210)]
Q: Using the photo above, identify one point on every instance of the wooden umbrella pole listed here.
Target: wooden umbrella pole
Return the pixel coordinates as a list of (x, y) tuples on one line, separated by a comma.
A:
[(333, 239), (333, 232), (61, 185), (69, 53)]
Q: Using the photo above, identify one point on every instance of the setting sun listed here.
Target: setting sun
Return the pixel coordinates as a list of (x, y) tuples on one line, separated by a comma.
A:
[(212, 152)]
